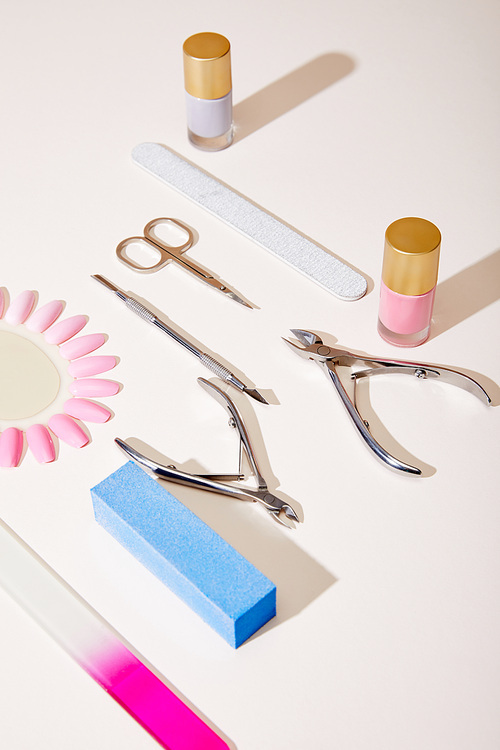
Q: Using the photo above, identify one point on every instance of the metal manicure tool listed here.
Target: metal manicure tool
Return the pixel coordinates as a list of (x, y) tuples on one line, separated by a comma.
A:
[(212, 364), (362, 367), (169, 253), (278, 509), (251, 220)]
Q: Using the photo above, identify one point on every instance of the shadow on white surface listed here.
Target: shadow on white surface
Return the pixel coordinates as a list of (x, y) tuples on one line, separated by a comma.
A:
[(162, 316), (299, 579), (358, 391), (289, 92), (466, 293), (383, 436), (144, 162)]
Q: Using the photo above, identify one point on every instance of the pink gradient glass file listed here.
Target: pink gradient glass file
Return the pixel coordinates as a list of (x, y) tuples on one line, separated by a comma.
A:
[(91, 641)]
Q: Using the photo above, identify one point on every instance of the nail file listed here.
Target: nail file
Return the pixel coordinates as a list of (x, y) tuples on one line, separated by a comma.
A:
[(99, 650), (251, 220), (200, 567)]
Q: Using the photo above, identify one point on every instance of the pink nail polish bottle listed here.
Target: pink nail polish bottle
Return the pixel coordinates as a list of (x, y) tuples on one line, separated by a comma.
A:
[(409, 277), (207, 81)]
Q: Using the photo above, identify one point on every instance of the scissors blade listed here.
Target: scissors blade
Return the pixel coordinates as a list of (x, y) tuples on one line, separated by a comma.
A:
[(203, 275), (221, 287), (234, 296)]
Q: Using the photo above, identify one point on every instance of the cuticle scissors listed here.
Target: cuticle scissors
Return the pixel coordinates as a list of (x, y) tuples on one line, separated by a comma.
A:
[(168, 253)]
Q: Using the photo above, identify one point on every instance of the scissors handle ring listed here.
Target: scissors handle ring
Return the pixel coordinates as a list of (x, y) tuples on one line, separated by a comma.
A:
[(150, 235), (166, 252), (121, 252)]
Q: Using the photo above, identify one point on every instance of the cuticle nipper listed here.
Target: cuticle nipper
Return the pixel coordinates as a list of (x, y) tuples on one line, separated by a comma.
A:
[(311, 346), (278, 509)]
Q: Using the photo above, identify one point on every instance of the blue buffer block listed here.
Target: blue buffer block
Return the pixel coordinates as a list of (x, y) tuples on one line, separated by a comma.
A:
[(218, 583)]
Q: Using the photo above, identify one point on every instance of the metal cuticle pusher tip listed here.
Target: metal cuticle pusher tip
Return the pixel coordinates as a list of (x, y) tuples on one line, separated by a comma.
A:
[(256, 395), (207, 360)]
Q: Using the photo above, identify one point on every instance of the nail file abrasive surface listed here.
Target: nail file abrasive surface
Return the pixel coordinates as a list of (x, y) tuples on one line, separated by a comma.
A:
[(255, 223), (99, 650), (209, 575)]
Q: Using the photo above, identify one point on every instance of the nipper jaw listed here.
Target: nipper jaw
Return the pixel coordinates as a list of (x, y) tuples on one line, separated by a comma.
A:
[(311, 346), (281, 511)]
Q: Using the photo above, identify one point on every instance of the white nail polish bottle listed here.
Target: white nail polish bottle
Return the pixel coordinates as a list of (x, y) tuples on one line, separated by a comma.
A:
[(207, 80)]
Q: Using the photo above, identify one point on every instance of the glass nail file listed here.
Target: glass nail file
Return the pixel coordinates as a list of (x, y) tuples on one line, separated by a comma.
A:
[(210, 363), (251, 220), (98, 649)]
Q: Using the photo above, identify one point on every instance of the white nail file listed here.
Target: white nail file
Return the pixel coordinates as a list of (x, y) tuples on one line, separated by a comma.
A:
[(251, 220)]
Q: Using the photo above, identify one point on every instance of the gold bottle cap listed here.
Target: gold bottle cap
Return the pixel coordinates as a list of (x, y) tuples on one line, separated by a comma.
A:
[(207, 65), (411, 256)]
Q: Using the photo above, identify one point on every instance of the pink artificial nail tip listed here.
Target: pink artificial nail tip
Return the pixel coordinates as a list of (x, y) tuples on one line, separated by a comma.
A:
[(94, 387), (20, 308), (45, 316), (65, 329), (68, 430), (2, 302), (41, 443), (87, 411), (11, 447), (82, 368), (81, 346)]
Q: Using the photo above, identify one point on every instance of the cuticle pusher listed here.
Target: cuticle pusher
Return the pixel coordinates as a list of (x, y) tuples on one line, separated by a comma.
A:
[(212, 364)]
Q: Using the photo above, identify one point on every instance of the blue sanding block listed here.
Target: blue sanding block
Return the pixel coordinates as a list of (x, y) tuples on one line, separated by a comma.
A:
[(200, 567)]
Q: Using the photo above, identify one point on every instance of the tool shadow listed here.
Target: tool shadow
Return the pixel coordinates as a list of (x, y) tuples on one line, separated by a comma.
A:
[(370, 284), (412, 387), (289, 92), (269, 394), (298, 577), (359, 393)]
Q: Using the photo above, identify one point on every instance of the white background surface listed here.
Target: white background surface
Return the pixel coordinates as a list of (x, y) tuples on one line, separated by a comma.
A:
[(349, 115)]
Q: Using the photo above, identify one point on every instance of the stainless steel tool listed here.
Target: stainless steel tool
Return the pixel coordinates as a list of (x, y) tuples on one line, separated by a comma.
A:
[(312, 347), (212, 364), (279, 510), (171, 253)]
